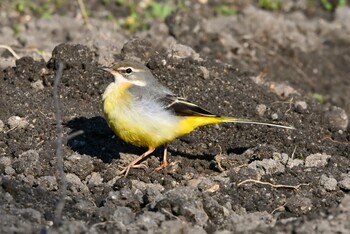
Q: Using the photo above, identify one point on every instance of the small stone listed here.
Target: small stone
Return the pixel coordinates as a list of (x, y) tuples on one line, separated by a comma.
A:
[(317, 160), (205, 183), (267, 166), (28, 163), (345, 204), (80, 165), (193, 183), (283, 90), (261, 109), (337, 119), (294, 163), (5, 161), (94, 179), (329, 184), (300, 106), (205, 72), (37, 85), (9, 170), (48, 182), (345, 183), (274, 116), (17, 122), (75, 184), (283, 158), (181, 51)]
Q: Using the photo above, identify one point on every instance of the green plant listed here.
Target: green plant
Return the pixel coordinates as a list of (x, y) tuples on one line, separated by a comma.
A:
[(225, 10), (16, 28), (329, 6), (140, 17), (42, 9), (270, 4), (159, 10), (319, 98)]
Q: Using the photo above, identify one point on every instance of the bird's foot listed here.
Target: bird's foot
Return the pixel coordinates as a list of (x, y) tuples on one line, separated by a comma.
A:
[(162, 166), (126, 169)]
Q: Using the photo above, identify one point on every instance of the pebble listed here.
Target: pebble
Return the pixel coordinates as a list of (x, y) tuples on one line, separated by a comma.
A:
[(261, 109), (75, 184), (48, 182), (37, 85), (345, 183), (328, 183), (17, 122), (337, 118), (284, 90), (9, 170), (274, 116), (267, 166), (5, 161), (205, 72), (317, 160), (94, 179), (301, 106)]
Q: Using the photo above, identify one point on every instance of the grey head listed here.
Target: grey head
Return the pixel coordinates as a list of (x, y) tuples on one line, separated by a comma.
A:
[(142, 80)]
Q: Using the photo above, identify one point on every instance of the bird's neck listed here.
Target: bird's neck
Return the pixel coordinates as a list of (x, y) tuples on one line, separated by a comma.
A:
[(116, 90)]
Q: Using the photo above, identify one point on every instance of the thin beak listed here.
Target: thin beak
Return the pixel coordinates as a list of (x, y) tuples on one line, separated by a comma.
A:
[(105, 68), (110, 70), (118, 77)]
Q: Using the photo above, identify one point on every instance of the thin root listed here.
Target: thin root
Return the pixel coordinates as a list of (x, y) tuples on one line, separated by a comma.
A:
[(10, 50), (272, 185)]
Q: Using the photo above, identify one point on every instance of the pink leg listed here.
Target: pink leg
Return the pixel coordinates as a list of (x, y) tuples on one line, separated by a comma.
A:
[(126, 170), (165, 159)]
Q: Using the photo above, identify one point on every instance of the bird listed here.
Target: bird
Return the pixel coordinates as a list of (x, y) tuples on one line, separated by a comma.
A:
[(143, 112)]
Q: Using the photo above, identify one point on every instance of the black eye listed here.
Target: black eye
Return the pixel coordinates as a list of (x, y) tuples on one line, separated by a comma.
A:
[(128, 70)]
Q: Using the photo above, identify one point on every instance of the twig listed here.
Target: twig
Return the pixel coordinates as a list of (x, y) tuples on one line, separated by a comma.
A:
[(11, 129), (278, 208), (10, 50), (295, 148), (290, 105), (83, 12), (93, 227), (72, 135), (272, 185), (61, 176)]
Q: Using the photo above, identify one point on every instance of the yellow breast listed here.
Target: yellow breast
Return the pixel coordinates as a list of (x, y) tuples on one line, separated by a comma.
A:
[(139, 122)]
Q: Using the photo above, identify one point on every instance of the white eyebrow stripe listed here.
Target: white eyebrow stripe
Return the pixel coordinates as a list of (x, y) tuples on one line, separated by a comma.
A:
[(132, 68)]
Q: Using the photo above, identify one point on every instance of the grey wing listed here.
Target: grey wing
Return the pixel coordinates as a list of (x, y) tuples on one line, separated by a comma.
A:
[(182, 107)]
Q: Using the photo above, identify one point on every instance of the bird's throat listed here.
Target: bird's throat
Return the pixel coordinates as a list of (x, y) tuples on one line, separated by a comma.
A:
[(116, 90)]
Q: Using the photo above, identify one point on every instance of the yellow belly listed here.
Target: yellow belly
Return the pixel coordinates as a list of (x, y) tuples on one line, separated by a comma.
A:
[(144, 128), (145, 123)]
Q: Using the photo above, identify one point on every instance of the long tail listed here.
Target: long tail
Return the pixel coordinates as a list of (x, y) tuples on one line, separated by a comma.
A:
[(188, 124), (248, 121)]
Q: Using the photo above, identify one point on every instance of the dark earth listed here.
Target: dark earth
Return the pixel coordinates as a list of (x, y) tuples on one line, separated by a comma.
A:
[(288, 67)]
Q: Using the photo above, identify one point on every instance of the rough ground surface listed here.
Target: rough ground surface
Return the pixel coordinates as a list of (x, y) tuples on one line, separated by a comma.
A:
[(218, 62)]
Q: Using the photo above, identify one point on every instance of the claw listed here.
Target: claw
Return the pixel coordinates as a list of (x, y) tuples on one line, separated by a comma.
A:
[(126, 170), (165, 161)]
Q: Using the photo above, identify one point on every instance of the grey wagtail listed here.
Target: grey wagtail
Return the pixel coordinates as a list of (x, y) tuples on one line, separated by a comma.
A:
[(143, 112)]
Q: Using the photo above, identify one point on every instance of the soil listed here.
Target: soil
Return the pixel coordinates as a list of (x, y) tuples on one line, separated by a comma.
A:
[(287, 67)]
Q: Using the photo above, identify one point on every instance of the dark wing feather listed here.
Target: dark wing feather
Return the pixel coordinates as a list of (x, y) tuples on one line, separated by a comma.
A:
[(182, 107)]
